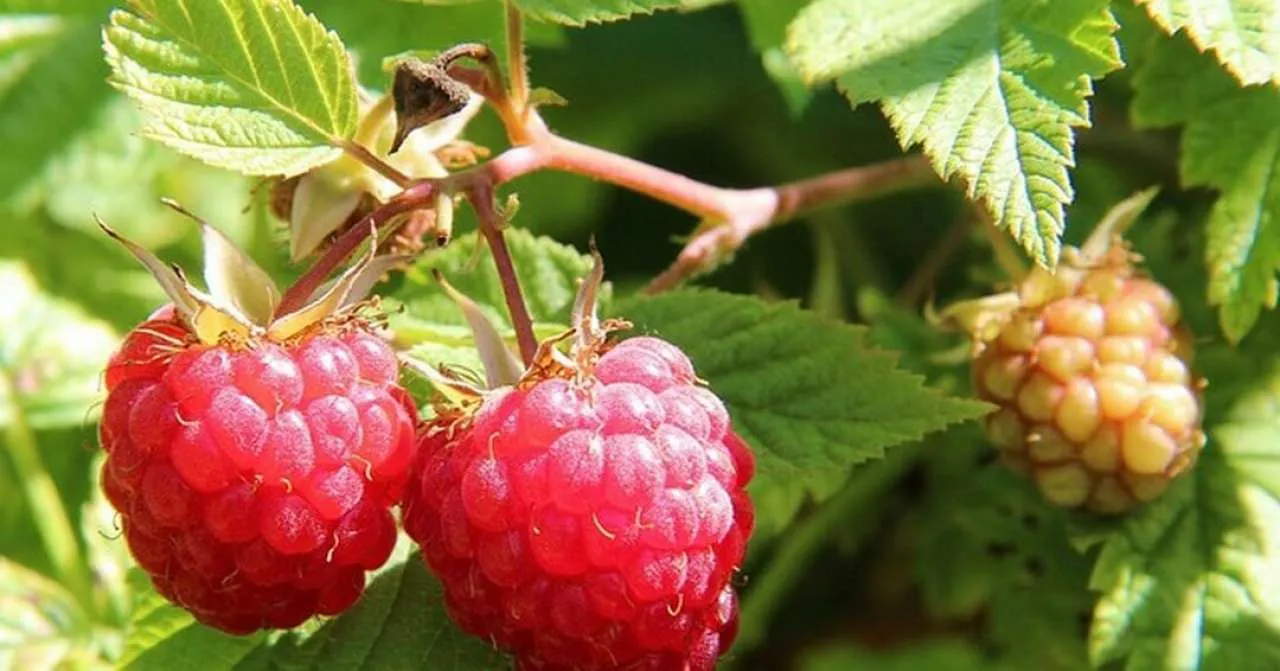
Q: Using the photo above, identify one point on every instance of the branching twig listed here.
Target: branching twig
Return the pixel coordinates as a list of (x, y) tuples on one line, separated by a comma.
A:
[(729, 216), (415, 197), (753, 211), (733, 215)]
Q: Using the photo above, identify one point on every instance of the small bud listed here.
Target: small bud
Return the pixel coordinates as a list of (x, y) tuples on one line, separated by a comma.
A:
[(424, 92)]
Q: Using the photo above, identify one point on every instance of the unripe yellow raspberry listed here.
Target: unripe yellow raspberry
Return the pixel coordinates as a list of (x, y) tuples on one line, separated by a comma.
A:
[(1090, 372)]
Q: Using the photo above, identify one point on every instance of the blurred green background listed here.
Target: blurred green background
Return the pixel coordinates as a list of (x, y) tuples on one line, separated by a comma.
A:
[(684, 91)]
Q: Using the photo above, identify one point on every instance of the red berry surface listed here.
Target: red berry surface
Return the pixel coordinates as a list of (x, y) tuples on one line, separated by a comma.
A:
[(590, 526), (255, 482)]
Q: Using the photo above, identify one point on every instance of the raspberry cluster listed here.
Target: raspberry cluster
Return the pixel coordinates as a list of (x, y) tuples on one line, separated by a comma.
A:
[(255, 481), (590, 524), (1097, 402)]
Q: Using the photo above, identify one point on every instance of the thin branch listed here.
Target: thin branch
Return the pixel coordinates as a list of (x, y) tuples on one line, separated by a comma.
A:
[(842, 186), (362, 154), (481, 199), (690, 195), (730, 215), (921, 282), (752, 212), (417, 196), (517, 69)]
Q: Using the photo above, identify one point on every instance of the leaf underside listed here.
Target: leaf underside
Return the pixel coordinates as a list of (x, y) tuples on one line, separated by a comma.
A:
[(257, 87), (583, 12), (992, 89)]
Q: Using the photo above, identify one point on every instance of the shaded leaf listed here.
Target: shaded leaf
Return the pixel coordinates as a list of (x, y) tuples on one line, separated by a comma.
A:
[(766, 22), (400, 623), (1230, 143), (1244, 35), (811, 396)]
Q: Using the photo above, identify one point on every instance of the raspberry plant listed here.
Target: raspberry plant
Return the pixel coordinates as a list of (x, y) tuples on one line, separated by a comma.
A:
[(985, 380)]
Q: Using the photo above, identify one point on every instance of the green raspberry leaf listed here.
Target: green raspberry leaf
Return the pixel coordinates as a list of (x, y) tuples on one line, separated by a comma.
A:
[(1230, 142), (51, 356), (989, 546), (766, 22), (1190, 581), (433, 325), (943, 654), (41, 625), (582, 12), (1244, 35), (256, 86), (810, 395), (991, 88), (376, 29), (399, 623), (51, 88)]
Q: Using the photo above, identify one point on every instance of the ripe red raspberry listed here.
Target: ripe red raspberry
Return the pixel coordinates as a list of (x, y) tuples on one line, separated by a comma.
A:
[(255, 480), (1090, 372), (590, 522)]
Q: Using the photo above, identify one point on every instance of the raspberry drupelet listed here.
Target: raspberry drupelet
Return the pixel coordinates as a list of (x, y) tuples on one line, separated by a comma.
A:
[(590, 523), (255, 482)]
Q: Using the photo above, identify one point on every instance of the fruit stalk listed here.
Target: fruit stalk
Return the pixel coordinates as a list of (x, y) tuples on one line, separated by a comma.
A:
[(415, 197), (362, 154), (481, 199), (48, 513)]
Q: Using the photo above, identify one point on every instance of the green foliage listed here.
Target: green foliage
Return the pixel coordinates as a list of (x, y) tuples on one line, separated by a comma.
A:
[(582, 12), (258, 87), (1230, 144), (50, 86), (375, 29), (50, 356), (1190, 581), (942, 655), (1025, 104), (400, 623), (41, 624), (811, 396), (428, 321), (1244, 35), (991, 88), (988, 545), (766, 22)]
